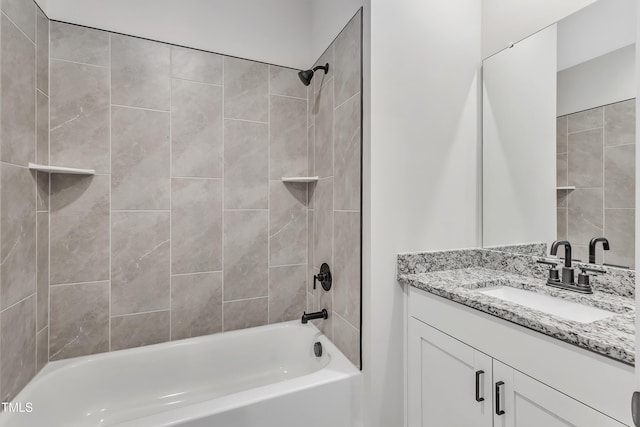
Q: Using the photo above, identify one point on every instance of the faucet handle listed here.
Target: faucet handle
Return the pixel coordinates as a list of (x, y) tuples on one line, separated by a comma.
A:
[(554, 274), (593, 270), (551, 263)]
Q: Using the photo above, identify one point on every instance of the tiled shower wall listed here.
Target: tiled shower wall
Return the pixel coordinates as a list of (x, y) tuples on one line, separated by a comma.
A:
[(596, 154), (24, 101), (334, 206)]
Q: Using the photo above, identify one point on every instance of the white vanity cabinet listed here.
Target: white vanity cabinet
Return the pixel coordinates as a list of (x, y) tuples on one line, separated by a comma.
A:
[(448, 344)]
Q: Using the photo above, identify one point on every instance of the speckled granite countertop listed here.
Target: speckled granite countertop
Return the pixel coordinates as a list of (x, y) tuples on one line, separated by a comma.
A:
[(613, 337)]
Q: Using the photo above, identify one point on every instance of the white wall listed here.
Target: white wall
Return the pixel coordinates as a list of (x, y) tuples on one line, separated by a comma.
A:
[(519, 142), (421, 166), (328, 17), (274, 31), (604, 80), (505, 22)]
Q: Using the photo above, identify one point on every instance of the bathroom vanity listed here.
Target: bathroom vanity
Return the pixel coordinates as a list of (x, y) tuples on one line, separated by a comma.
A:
[(482, 351)]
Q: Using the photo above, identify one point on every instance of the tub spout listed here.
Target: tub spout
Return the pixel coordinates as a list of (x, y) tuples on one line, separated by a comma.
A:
[(317, 315)]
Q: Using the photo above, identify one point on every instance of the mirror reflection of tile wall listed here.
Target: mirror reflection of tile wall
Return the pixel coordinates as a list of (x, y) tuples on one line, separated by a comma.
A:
[(596, 154)]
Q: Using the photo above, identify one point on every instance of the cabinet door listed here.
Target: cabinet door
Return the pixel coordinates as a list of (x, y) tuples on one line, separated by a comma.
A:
[(530, 403), (443, 376)]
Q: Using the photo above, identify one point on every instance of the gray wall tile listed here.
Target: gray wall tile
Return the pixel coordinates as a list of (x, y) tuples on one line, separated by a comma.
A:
[(196, 221), (245, 313), (324, 131), (23, 13), (311, 147), (140, 73), (620, 177), (285, 81), (79, 44), (561, 134), (562, 224), (585, 215), (79, 320), (620, 229), (139, 262), (17, 109), (348, 67), (562, 170), (585, 158), (196, 305), (347, 339), (18, 231), (43, 270), (287, 223), (288, 137), (136, 330), (586, 120), (320, 78), (287, 292), (347, 155), (322, 251), (79, 117), (620, 123), (346, 268), (17, 347), (246, 165), (42, 348), (79, 228), (42, 131), (196, 65), (196, 129), (245, 254), (246, 89), (42, 53), (140, 156)]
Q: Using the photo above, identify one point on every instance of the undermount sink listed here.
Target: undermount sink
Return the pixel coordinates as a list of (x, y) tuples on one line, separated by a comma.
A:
[(555, 306)]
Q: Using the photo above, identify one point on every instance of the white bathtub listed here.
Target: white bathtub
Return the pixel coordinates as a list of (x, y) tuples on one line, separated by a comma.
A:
[(266, 376)]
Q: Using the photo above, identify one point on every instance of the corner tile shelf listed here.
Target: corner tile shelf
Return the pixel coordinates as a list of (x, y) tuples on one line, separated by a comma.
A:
[(571, 187), (60, 169), (300, 178)]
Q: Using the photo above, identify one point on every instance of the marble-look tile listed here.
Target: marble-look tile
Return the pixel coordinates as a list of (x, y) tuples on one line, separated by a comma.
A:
[(196, 221), (347, 338), (42, 130), (311, 148), (42, 349), (18, 231), (140, 159), (346, 268), (562, 170), (310, 245), (246, 89), (79, 320), (563, 196), (245, 313), (287, 223), (311, 106), (320, 78), (196, 305), (136, 330), (17, 83), (79, 228), (42, 189), (586, 120), (348, 64), (79, 44), (620, 176), (196, 129), (324, 132), (562, 224), (140, 73), (42, 52), (246, 165), (322, 251), (79, 116), (620, 230), (347, 143), (585, 215), (196, 65), (561, 135), (139, 262), (585, 159), (324, 300), (245, 254), (620, 123), (43, 270), (285, 81), (288, 137), (287, 293), (17, 347), (23, 13)]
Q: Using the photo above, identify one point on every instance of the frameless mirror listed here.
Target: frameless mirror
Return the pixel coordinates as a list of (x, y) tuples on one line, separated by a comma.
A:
[(559, 136)]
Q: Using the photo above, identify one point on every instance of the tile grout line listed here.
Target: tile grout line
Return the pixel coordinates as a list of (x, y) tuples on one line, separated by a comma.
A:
[(268, 193), (37, 176), (170, 193), (18, 27), (110, 179), (224, 143), (49, 189), (80, 63)]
